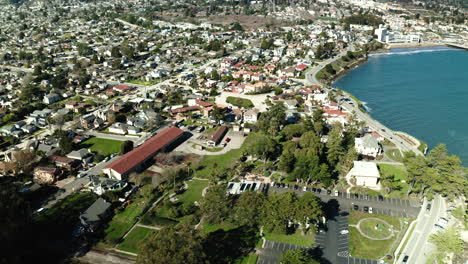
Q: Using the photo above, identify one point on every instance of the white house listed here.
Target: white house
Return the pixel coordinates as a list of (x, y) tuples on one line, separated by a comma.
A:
[(367, 146), (251, 116), (364, 174)]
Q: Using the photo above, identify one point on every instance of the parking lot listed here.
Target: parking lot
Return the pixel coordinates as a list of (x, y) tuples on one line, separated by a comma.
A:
[(272, 251), (379, 204), (350, 260)]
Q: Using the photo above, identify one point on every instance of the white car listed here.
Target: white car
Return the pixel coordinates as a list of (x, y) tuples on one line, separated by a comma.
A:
[(370, 210), (336, 193), (344, 232), (304, 188)]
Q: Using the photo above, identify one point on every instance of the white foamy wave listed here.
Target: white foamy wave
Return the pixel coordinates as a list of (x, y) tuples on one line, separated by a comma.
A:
[(408, 52), (366, 106)]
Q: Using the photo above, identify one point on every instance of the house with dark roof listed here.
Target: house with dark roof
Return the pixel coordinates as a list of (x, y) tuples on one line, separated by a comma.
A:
[(215, 138), (98, 211), (137, 159)]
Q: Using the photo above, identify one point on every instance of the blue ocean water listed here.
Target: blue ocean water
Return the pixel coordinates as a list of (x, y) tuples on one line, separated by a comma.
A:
[(423, 92)]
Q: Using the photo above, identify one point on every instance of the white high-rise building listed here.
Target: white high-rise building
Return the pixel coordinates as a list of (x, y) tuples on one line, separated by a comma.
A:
[(381, 33)]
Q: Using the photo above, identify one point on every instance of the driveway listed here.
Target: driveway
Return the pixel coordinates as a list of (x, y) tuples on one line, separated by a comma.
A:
[(237, 139)]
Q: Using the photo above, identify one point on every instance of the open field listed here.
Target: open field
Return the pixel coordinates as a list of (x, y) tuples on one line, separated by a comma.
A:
[(400, 174), (102, 146)]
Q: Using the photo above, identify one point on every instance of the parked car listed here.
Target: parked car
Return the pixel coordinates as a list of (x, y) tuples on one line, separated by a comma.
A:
[(428, 207), (314, 189), (405, 259), (329, 192), (344, 232), (228, 139), (366, 209), (304, 188), (355, 207), (381, 198), (336, 193), (370, 210)]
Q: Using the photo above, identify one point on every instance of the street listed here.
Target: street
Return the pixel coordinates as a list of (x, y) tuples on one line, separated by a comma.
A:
[(416, 248)]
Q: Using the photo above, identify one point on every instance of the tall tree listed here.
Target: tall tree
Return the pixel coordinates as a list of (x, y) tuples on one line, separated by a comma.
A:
[(334, 145), (165, 247), (247, 208), (287, 158), (215, 206)]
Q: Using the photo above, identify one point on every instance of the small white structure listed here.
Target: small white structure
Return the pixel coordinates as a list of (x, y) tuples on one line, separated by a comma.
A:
[(367, 146), (251, 116), (365, 174)]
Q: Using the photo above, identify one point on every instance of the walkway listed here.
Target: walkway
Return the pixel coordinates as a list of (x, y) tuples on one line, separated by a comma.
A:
[(358, 227)]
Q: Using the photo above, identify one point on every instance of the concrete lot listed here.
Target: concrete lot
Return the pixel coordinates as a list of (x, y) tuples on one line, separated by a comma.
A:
[(272, 251)]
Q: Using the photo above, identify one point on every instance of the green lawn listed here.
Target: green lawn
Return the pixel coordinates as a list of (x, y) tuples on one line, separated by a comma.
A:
[(249, 259), (375, 228), (208, 228), (355, 216), (103, 146), (363, 247), (239, 102), (400, 173), (194, 192), (296, 238), (133, 239), (395, 155), (123, 221), (227, 160)]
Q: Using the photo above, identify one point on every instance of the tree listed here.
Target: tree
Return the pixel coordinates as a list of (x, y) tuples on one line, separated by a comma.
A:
[(308, 210), (217, 114), (287, 158), (319, 124), (298, 256), (272, 121), (293, 130), (65, 144), (115, 52), (127, 50), (263, 147), (448, 241), (215, 204), (311, 143), (334, 145), (126, 146), (247, 209), (152, 251)]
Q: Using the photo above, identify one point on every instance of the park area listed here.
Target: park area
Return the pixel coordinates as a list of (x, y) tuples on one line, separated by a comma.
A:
[(239, 102), (102, 146), (396, 174), (374, 236)]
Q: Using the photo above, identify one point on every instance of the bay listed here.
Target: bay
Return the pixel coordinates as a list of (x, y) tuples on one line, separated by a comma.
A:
[(423, 92)]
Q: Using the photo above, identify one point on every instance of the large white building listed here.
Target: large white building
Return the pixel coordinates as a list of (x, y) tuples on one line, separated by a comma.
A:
[(367, 146), (365, 174)]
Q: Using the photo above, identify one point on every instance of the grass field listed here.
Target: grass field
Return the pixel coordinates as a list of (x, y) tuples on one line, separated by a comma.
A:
[(208, 228), (400, 173), (102, 146), (363, 247), (194, 192), (227, 160), (239, 102), (375, 228), (134, 238), (249, 259), (123, 221), (395, 155), (296, 238)]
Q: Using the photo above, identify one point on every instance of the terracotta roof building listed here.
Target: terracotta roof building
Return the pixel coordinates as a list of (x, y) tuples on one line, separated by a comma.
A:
[(135, 160)]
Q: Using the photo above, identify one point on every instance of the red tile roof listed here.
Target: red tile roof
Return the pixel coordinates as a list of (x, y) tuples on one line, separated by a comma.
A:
[(133, 158)]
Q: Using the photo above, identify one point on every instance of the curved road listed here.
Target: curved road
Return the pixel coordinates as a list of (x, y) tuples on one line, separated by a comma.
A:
[(375, 125)]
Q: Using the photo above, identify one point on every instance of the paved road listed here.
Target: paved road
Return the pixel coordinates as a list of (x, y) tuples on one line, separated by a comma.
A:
[(385, 206), (111, 136), (377, 126), (94, 256), (310, 75), (416, 248), (69, 188)]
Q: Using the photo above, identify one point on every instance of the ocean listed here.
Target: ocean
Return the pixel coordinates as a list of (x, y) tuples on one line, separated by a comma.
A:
[(423, 92)]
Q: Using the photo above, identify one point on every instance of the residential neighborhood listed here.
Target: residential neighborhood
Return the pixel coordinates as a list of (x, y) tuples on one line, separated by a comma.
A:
[(211, 132)]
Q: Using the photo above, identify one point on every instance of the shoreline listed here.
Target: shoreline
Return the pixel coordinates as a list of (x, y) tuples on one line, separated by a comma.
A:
[(361, 61), (412, 45)]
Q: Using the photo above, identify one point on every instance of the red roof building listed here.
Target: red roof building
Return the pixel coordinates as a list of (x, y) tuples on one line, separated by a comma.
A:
[(135, 160)]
